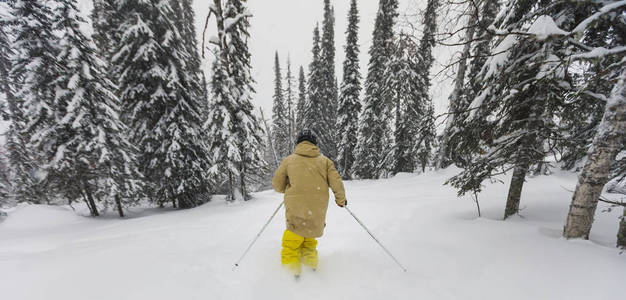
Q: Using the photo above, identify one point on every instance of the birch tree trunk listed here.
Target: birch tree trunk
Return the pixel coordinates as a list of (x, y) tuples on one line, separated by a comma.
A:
[(606, 144)]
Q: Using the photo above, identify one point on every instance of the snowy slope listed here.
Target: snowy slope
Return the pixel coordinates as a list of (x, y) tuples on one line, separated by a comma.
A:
[(51, 253)]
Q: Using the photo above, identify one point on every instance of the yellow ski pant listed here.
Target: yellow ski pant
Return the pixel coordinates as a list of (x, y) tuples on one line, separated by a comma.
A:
[(298, 249)]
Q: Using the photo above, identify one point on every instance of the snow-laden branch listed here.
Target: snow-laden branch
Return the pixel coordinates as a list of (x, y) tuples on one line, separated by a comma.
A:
[(605, 9), (599, 52)]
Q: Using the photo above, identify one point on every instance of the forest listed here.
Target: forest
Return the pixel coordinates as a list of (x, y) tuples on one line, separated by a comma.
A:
[(128, 114)]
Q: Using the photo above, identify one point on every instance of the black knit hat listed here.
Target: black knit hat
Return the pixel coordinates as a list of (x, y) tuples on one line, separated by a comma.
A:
[(307, 135)]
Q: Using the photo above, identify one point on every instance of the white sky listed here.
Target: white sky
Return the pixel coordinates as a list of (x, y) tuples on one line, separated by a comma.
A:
[(286, 26)]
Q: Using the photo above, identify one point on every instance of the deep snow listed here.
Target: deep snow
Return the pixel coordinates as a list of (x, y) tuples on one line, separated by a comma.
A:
[(53, 253)]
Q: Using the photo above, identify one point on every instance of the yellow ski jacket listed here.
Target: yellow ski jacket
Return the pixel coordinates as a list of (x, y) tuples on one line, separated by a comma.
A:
[(305, 177)]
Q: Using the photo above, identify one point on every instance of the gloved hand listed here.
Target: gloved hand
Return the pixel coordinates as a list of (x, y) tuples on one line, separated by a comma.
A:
[(343, 204)]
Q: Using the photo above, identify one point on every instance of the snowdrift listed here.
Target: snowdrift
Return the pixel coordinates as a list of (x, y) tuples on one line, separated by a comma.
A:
[(53, 253)]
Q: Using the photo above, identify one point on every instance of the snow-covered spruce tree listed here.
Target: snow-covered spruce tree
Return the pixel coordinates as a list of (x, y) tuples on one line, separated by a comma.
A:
[(290, 106), (160, 104), (608, 141), (249, 133), (301, 100), (34, 70), (406, 89), (374, 127), (88, 157), (426, 46), (414, 130), (220, 128), (427, 43), (280, 120), (106, 19), (349, 103), (7, 100), (328, 84), (314, 105), (522, 83), (455, 104)]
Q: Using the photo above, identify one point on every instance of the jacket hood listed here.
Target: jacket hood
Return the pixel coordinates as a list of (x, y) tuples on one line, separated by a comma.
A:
[(307, 149)]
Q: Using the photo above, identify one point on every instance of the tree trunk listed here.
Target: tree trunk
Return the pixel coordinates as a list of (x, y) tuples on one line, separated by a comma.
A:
[(606, 144), (90, 202), (242, 181), (515, 189), (118, 204), (231, 189), (621, 234)]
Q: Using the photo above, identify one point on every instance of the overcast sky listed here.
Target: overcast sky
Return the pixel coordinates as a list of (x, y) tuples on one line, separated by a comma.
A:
[(286, 26)]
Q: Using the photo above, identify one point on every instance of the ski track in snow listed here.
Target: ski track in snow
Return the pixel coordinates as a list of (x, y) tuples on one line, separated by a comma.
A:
[(53, 253)]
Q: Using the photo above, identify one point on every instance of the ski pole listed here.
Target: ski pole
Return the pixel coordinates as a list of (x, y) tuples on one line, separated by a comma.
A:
[(375, 239), (258, 235)]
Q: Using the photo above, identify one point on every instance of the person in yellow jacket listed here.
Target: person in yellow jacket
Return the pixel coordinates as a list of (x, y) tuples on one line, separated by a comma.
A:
[(304, 177)]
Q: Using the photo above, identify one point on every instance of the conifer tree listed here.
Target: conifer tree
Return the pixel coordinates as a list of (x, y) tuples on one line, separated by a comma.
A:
[(8, 109), (290, 107), (328, 84), (279, 114), (106, 19), (34, 70), (247, 127), (406, 88), (314, 105), (374, 127), (90, 157), (349, 103), (302, 93), (160, 105)]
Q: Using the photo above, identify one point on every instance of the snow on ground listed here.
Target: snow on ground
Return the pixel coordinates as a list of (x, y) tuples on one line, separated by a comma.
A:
[(53, 253)]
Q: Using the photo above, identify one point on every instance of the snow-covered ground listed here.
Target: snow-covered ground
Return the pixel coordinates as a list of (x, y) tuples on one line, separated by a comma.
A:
[(53, 253)]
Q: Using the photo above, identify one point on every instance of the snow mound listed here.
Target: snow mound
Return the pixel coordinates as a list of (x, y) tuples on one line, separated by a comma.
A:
[(32, 217)]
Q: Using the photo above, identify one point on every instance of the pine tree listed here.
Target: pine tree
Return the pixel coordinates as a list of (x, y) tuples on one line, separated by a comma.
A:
[(220, 128), (106, 19), (374, 127), (314, 105), (302, 93), (90, 157), (406, 88), (328, 84), (34, 70), (289, 107), (247, 126), (349, 103), (279, 114), (8, 109), (161, 106)]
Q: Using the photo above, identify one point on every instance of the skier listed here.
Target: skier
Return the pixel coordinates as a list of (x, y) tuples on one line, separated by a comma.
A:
[(304, 178)]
